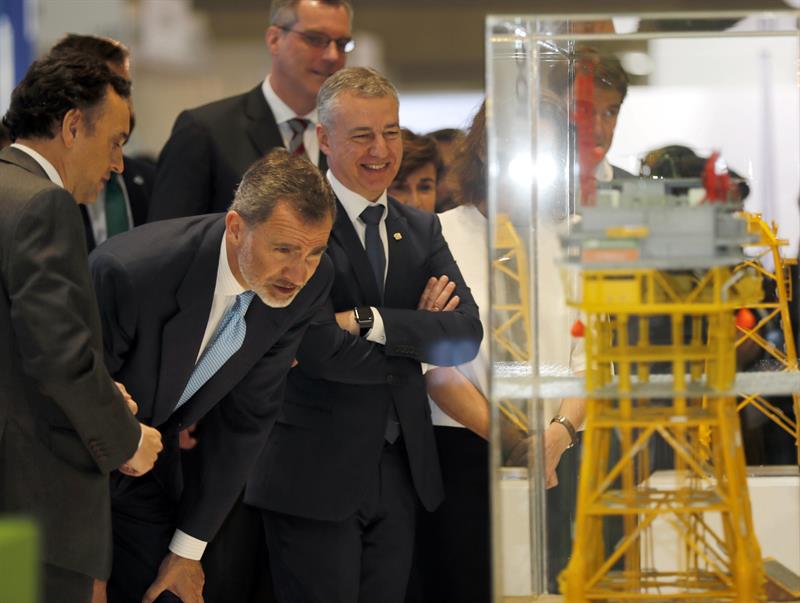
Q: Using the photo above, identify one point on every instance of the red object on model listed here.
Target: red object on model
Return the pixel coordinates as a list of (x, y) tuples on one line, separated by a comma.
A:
[(716, 179), (578, 329), (745, 319)]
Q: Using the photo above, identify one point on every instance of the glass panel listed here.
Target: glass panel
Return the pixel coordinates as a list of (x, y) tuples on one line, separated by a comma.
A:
[(631, 296)]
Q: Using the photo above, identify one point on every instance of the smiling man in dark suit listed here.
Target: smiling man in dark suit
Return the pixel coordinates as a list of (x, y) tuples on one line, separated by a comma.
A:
[(201, 318), (63, 424), (352, 456), (211, 146)]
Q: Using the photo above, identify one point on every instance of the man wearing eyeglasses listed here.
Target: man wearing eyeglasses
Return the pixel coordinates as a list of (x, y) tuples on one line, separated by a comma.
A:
[(212, 146)]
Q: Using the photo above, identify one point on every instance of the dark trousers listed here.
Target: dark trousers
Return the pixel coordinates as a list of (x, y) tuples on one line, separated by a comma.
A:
[(65, 586), (236, 563), (143, 522), (363, 559), (452, 559)]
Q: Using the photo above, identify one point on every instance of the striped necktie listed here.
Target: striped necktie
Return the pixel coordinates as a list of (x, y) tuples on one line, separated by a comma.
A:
[(298, 127), (225, 342)]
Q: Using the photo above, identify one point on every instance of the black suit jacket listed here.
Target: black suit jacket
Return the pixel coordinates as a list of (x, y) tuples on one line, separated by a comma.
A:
[(208, 152), (63, 424), (155, 285), (330, 432), (138, 179)]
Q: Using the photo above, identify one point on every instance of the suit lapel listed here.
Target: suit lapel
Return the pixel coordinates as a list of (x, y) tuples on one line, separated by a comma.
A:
[(23, 160), (397, 276), (183, 333), (261, 126), (345, 235)]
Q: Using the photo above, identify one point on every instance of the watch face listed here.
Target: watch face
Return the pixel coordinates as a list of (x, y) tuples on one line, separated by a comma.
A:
[(364, 315)]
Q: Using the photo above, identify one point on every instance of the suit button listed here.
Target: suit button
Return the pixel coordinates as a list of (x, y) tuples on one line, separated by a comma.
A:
[(390, 379)]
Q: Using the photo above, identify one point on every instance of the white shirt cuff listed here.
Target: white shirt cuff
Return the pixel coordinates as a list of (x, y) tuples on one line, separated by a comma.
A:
[(187, 546), (376, 334)]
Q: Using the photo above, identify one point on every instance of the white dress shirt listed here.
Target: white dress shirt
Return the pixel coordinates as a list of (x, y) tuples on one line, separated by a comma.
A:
[(283, 113), (354, 204), (225, 292)]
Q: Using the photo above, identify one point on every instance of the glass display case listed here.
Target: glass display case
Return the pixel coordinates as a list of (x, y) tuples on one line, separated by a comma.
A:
[(644, 173)]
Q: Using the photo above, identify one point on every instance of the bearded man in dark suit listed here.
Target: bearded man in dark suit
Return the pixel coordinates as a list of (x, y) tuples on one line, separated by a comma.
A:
[(202, 317)]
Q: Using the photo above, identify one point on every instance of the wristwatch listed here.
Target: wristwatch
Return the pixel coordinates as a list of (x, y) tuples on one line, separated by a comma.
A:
[(573, 435), (364, 318)]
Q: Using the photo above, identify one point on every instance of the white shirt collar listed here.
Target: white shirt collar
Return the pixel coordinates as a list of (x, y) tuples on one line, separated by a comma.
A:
[(227, 284), (48, 168), (354, 203), (280, 109)]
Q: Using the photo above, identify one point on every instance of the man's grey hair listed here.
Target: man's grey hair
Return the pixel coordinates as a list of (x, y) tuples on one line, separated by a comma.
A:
[(283, 13), (363, 82), (281, 177)]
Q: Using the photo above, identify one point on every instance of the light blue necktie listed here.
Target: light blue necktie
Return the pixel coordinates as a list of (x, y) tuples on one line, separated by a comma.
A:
[(227, 339)]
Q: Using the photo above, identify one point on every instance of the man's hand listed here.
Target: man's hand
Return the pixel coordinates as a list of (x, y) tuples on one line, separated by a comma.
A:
[(99, 591), (347, 322), (186, 439), (145, 457), (128, 398), (178, 575), (438, 295)]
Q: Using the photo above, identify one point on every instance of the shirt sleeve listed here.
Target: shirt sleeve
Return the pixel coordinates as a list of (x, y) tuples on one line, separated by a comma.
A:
[(187, 546), (377, 334)]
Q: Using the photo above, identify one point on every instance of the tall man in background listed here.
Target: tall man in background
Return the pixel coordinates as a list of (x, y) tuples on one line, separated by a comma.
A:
[(64, 425), (211, 146)]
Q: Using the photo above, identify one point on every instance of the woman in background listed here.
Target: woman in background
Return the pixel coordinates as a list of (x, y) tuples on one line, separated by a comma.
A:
[(420, 172)]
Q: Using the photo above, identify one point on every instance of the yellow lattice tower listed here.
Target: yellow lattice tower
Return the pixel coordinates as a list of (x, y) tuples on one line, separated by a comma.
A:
[(713, 564), (768, 245), (512, 332)]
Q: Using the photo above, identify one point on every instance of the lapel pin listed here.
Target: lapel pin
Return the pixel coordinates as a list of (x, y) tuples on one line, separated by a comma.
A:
[(397, 236)]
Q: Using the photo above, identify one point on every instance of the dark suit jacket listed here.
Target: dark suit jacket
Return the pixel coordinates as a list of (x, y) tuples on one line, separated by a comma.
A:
[(330, 432), (155, 285), (63, 424), (138, 178), (208, 152)]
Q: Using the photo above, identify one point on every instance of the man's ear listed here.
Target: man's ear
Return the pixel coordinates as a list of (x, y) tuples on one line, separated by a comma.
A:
[(233, 226), (323, 138), (272, 37), (70, 126)]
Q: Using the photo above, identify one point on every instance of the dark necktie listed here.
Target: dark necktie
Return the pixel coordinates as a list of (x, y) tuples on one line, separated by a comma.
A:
[(116, 208), (298, 127), (371, 216), (225, 342)]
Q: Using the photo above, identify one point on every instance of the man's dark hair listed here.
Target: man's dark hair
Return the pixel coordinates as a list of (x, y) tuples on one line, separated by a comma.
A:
[(53, 86), (282, 177), (105, 49)]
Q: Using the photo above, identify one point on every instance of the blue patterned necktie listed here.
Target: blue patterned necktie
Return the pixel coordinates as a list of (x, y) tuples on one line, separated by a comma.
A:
[(227, 339), (371, 216)]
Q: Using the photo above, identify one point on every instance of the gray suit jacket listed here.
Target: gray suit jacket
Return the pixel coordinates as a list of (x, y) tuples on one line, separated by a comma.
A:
[(63, 424)]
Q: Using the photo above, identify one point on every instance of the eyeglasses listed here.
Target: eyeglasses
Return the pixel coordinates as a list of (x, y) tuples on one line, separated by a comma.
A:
[(321, 41)]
